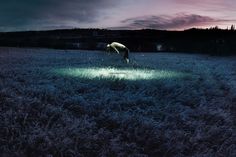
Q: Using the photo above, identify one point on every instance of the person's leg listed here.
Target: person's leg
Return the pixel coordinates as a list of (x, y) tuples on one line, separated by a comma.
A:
[(126, 55)]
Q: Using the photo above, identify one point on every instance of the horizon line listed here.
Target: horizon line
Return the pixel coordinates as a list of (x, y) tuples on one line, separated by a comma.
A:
[(110, 29)]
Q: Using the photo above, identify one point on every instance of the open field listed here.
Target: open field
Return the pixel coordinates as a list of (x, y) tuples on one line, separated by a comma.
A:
[(79, 103)]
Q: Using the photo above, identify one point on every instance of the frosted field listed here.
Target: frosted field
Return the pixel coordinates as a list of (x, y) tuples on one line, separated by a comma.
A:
[(79, 103)]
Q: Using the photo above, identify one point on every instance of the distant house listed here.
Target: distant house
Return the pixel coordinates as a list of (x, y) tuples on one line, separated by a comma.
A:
[(77, 45), (159, 47)]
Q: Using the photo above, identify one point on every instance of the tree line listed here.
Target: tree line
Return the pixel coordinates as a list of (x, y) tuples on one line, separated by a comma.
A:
[(213, 41)]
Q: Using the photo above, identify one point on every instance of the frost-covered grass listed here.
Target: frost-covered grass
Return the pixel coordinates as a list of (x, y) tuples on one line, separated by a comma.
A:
[(78, 103)]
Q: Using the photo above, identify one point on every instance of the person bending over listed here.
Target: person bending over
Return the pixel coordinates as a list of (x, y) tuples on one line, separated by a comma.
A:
[(118, 47)]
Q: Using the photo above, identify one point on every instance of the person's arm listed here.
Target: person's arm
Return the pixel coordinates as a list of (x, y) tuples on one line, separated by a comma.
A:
[(115, 49)]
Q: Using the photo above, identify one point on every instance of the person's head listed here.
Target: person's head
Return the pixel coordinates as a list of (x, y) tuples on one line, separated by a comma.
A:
[(108, 48)]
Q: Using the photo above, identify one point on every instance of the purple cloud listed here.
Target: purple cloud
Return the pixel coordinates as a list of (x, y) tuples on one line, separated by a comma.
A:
[(178, 21), (209, 5)]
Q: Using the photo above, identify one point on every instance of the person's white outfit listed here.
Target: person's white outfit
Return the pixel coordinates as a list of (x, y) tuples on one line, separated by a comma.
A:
[(118, 47)]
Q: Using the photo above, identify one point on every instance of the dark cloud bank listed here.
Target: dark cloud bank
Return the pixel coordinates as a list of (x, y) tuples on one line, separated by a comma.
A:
[(178, 21), (30, 14)]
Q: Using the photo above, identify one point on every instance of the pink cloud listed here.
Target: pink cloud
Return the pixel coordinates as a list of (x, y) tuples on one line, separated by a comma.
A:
[(178, 21), (209, 4)]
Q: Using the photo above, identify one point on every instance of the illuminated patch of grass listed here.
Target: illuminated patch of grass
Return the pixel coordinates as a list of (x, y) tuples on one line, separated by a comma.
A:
[(122, 74)]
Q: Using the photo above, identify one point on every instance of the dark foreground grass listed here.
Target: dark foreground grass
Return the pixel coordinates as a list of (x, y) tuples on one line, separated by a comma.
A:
[(47, 114)]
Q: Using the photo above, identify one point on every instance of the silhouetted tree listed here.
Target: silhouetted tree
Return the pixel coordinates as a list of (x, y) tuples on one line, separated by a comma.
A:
[(232, 28)]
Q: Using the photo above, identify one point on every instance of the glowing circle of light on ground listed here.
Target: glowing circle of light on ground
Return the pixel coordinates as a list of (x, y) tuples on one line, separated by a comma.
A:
[(119, 73)]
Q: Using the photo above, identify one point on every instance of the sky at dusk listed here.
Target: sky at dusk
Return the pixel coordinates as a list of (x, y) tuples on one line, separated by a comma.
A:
[(17, 15)]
